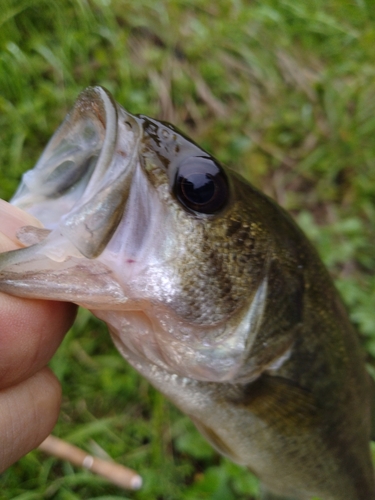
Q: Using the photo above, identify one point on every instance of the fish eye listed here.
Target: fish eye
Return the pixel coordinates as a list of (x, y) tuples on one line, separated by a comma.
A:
[(201, 185)]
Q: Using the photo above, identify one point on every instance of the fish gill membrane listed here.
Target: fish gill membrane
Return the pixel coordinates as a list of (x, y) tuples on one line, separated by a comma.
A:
[(209, 290)]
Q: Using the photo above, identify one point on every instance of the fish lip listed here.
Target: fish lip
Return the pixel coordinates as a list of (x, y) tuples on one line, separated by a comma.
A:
[(79, 234), (99, 131), (92, 124), (96, 101), (30, 274)]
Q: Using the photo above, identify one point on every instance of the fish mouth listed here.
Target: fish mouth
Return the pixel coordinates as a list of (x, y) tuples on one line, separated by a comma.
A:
[(86, 165), (79, 190)]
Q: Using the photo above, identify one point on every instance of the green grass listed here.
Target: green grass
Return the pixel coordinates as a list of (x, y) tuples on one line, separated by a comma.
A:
[(282, 91)]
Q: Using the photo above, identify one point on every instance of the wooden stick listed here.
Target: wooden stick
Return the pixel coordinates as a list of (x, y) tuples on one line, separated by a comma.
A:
[(118, 474)]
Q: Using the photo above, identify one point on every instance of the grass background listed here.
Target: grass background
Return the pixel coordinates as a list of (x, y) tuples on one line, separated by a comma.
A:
[(282, 91)]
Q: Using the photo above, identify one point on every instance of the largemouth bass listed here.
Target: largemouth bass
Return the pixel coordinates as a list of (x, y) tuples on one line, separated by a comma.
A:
[(209, 290)]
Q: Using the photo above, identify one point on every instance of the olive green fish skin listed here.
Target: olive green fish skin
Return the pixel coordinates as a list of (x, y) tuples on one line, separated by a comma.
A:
[(229, 312), (303, 428)]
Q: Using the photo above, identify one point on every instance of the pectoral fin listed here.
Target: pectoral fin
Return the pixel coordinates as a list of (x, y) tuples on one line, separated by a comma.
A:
[(280, 403), (215, 440)]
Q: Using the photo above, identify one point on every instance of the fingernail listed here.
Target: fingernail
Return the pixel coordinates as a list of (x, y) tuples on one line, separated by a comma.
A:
[(6, 243), (13, 218)]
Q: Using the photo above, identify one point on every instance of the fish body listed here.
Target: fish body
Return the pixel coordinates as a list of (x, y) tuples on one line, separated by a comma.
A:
[(209, 290)]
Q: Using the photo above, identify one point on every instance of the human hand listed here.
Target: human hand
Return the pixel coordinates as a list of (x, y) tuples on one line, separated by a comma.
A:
[(30, 333)]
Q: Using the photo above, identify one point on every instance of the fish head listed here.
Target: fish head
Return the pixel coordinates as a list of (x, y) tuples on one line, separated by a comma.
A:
[(152, 234)]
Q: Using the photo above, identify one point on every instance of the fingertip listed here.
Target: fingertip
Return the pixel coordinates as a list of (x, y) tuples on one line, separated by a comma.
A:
[(28, 413)]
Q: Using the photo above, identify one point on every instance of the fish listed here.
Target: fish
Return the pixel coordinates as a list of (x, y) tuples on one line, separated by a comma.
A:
[(209, 289)]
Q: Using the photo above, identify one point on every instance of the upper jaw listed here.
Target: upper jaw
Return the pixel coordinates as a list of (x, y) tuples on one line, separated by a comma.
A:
[(79, 190), (81, 182)]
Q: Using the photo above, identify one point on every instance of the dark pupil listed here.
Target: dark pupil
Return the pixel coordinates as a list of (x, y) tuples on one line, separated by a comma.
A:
[(201, 184), (198, 188)]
